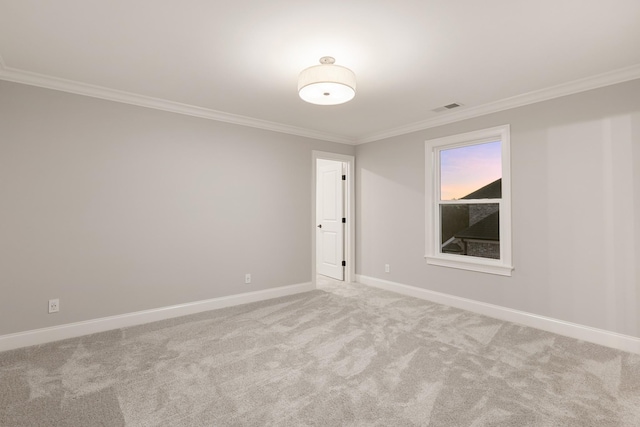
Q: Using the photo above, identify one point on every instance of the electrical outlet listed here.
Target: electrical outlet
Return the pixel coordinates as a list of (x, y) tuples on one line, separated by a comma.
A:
[(247, 278), (386, 268), (54, 305)]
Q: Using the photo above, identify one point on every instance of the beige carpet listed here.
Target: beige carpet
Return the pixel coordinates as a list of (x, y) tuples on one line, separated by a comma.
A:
[(341, 356)]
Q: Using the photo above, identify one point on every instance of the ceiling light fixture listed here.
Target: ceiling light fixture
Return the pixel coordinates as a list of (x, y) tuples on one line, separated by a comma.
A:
[(327, 83)]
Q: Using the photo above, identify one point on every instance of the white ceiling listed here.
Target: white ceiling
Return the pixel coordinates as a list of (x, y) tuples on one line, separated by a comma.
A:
[(238, 60)]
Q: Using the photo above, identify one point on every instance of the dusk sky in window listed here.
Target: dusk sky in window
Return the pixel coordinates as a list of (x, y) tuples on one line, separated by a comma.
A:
[(464, 170)]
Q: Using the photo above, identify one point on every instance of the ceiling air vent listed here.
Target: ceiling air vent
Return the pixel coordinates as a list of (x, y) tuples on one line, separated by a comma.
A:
[(448, 107)]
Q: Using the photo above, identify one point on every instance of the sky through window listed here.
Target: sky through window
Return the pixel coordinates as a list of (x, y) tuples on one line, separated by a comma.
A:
[(464, 170)]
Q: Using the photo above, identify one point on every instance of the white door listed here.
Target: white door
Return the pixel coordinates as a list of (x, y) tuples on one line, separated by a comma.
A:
[(329, 214)]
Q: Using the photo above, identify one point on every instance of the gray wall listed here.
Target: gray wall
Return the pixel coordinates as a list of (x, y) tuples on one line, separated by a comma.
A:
[(576, 211), (115, 208)]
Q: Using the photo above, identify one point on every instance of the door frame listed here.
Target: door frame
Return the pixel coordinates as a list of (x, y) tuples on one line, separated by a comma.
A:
[(349, 210)]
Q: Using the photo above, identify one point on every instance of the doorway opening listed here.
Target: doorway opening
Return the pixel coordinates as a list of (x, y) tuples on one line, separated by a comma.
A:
[(333, 218)]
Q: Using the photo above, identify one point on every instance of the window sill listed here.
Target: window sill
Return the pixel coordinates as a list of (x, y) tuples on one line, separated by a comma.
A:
[(472, 264)]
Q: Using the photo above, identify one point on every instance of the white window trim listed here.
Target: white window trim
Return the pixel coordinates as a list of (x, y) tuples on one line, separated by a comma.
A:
[(433, 254)]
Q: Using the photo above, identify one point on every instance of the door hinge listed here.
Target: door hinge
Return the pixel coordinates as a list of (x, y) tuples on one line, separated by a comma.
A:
[(344, 177), (344, 263), (344, 220)]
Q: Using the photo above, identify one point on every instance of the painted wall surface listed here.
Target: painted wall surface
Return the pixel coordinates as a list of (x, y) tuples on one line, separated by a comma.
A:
[(575, 164), (114, 208)]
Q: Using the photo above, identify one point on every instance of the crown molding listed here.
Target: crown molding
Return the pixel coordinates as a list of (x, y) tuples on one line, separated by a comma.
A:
[(48, 82), (569, 88), (576, 86)]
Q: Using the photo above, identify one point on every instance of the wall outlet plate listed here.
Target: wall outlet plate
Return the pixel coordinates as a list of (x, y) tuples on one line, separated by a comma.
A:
[(247, 278), (54, 305), (386, 268)]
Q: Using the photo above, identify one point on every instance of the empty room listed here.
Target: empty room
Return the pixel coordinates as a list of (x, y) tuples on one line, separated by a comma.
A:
[(289, 213)]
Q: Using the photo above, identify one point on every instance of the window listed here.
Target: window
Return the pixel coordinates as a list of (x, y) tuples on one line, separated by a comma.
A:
[(468, 203)]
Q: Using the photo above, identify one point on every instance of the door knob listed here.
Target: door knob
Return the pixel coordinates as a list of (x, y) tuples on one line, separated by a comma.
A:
[(319, 225)]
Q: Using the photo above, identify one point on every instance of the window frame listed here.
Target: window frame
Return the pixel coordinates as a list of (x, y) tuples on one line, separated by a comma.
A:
[(433, 253)]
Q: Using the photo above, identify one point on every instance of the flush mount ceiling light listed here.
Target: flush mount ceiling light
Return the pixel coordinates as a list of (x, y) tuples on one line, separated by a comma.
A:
[(327, 84)]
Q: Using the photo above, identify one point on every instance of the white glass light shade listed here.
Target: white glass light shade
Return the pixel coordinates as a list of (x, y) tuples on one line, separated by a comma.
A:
[(327, 84)]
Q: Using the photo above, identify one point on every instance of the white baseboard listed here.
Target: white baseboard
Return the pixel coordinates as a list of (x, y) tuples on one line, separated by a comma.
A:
[(71, 330), (560, 327)]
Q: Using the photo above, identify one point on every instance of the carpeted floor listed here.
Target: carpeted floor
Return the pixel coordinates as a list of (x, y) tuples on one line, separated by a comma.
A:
[(343, 355)]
